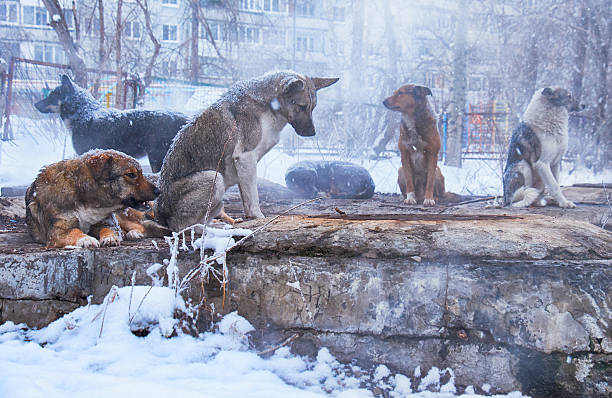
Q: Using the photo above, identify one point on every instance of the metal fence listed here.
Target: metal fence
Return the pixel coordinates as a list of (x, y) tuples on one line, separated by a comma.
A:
[(346, 129), (486, 130)]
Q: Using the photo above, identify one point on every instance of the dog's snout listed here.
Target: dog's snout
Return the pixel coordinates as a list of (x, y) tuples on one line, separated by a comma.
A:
[(386, 102)]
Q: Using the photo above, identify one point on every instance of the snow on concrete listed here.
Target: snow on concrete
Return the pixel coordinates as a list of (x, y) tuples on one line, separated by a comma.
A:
[(92, 352)]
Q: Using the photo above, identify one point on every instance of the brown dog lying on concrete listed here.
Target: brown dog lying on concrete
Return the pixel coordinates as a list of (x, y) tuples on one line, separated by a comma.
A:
[(71, 202), (419, 178)]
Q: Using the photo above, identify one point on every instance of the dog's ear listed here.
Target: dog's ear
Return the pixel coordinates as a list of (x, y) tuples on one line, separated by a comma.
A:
[(101, 166), (322, 82), (548, 92), (292, 84), (421, 91), (67, 84)]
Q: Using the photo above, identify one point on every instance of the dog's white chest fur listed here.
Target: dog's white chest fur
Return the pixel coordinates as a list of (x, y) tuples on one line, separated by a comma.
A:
[(271, 127), (89, 216), (550, 124)]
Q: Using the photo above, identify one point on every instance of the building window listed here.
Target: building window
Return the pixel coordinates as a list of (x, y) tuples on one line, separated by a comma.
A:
[(248, 34), (132, 29), (305, 8), (340, 48), (217, 31), (249, 5), (170, 2), (49, 53), (69, 17), (169, 33), (8, 12), (169, 68), (274, 37), (305, 43), (34, 16), (338, 13), (272, 5)]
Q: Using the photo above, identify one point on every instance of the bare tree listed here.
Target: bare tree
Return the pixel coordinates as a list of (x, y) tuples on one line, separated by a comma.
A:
[(194, 70), (459, 89), (118, 34), (58, 23), (144, 6)]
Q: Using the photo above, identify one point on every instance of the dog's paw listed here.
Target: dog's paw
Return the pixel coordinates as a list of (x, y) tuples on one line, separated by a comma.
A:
[(110, 240), (568, 204), (410, 199), (429, 202), (237, 220), (87, 242), (134, 234), (255, 215)]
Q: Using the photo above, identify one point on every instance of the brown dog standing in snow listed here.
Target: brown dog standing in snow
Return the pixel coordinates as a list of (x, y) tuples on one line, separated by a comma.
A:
[(419, 178), (76, 197)]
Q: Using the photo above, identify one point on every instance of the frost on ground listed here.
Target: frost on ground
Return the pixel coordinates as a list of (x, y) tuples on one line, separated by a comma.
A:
[(95, 352)]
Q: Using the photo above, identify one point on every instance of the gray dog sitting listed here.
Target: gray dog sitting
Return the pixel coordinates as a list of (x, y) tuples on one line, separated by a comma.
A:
[(222, 146), (341, 180)]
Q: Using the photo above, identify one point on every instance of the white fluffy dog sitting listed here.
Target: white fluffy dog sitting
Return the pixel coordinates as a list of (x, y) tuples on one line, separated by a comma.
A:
[(531, 176)]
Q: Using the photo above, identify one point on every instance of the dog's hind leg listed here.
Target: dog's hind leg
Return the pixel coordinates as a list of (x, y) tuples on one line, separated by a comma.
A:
[(525, 197), (193, 197)]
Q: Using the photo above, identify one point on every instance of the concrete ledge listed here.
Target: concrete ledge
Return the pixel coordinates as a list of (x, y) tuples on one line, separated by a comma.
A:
[(519, 301)]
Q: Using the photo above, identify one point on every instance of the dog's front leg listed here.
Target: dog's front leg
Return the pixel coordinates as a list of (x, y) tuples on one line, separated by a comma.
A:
[(432, 163), (546, 175), (107, 231), (246, 169), (65, 232), (410, 197)]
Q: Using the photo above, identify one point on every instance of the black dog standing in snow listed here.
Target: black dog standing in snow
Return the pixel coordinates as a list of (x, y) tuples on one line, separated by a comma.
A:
[(342, 180), (135, 132)]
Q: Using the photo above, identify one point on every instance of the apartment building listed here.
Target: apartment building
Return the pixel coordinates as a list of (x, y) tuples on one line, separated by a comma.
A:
[(240, 40)]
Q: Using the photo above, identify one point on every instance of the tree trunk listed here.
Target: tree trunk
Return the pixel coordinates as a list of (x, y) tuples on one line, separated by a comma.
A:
[(77, 64), (144, 6), (195, 40), (101, 52), (459, 90), (530, 67), (119, 27), (580, 53), (391, 118), (353, 112)]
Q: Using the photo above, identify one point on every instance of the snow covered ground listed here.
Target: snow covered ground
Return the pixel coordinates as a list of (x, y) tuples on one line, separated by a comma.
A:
[(92, 352), (21, 159)]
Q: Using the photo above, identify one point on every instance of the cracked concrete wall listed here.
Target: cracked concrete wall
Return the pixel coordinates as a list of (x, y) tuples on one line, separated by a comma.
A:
[(520, 304)]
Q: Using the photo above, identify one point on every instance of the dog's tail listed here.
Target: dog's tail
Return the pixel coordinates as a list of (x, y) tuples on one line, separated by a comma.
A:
[(451, 198)]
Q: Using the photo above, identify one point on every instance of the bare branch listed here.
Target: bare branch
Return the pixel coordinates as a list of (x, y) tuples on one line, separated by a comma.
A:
[(63, 34), (144, 6)]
